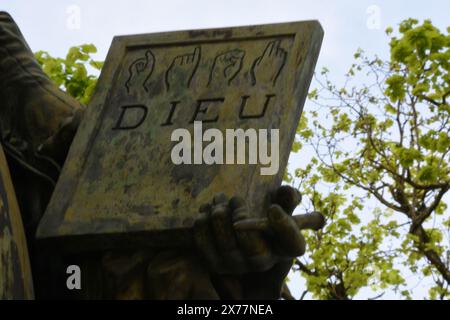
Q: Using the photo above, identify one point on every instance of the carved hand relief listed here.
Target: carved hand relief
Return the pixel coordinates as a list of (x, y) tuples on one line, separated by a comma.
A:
[(241, 84), (139, 72), (267, 67), (182, 69), (225, 67)]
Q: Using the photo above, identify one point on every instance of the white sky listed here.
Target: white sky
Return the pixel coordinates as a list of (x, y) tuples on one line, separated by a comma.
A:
[(47, 25), (349, 25)]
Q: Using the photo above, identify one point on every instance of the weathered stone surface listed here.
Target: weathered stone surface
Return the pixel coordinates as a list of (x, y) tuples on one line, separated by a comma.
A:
[(15, 271), (119, 184)]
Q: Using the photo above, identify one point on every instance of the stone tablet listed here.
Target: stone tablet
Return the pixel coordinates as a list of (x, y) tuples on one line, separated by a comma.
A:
[(124, 181)]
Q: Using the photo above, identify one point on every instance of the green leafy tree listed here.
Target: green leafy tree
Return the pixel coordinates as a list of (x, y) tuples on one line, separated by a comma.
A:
[(348, 254), (74, 73), (387, 141)]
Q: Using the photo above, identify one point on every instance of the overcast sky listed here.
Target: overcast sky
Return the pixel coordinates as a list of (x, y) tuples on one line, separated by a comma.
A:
[(55, 26)]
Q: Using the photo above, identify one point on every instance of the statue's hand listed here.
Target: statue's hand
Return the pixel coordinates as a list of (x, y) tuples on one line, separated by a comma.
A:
[(260, 259)]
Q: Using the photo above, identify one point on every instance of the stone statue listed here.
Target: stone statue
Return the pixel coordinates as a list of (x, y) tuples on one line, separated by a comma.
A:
[(37, 124)]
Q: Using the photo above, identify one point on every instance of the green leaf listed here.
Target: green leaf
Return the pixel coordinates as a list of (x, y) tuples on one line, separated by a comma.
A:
[(88, 48), (428, 174)]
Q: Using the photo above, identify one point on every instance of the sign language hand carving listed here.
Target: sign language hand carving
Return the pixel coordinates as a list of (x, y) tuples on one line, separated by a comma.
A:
[(182, 69), (140, 71), (226, 66), (268, 66)]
